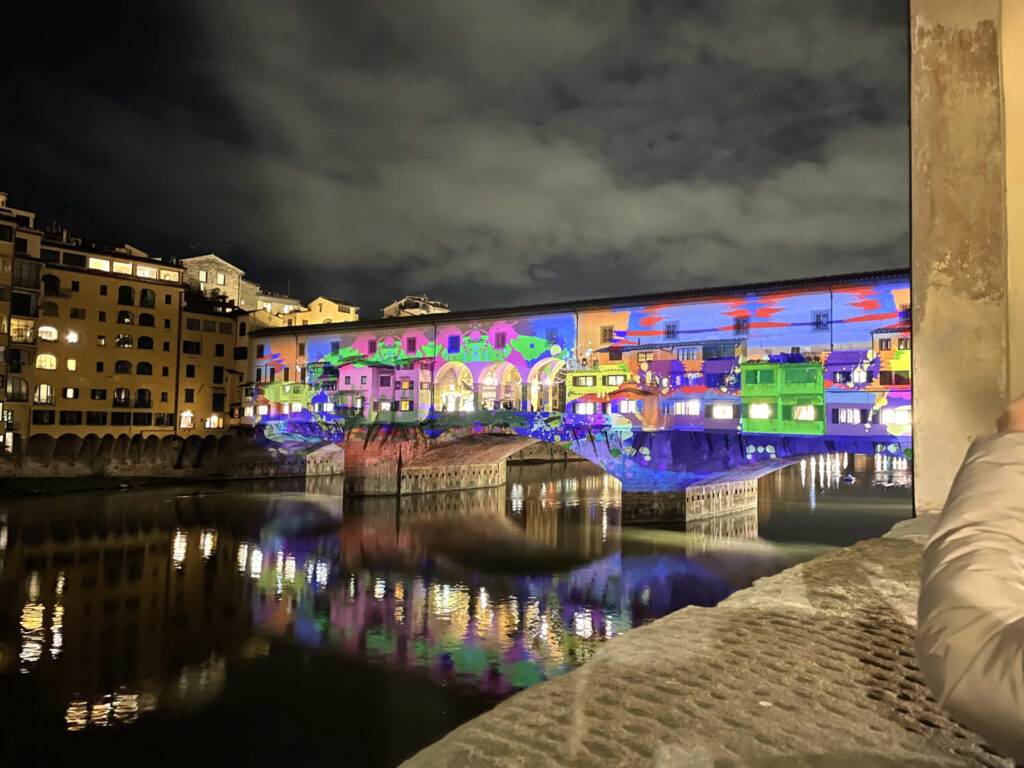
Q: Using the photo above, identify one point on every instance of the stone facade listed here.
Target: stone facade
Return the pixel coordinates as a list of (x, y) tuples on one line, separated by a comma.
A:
[(212, 276)]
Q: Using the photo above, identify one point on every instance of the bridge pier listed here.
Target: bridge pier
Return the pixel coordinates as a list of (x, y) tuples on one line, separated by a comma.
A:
[(474, 461), (702, 501)]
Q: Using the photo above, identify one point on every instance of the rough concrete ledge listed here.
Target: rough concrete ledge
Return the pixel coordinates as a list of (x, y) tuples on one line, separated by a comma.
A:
[(811, 667)]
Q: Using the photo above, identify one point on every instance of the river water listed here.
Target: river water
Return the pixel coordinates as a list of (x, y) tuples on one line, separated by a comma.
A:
[(259, 622)]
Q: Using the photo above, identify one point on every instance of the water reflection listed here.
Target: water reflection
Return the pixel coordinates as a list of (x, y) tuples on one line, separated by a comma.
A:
[(118, 604)]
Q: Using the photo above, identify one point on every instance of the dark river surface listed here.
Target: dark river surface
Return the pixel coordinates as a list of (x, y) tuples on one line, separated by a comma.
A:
[(254, 623)]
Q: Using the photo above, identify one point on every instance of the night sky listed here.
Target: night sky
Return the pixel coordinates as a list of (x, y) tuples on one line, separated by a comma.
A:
[(485, 152)]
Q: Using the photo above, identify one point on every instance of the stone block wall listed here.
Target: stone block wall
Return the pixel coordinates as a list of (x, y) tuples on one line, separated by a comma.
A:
[(453, 477)]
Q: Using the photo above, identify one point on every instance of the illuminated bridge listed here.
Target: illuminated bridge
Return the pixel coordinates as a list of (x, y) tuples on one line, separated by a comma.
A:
[(659, 390)]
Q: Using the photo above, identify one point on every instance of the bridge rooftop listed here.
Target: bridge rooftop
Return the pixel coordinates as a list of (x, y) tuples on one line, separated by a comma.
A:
[(693, 294)]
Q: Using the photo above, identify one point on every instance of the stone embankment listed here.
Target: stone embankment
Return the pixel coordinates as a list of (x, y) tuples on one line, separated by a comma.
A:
[(76, 464), (811, 667)]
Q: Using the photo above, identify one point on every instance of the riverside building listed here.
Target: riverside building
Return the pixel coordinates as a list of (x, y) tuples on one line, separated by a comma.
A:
[(98, 341)]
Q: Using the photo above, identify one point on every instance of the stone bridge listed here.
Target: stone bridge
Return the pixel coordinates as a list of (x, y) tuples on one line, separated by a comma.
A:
[(661, 391)]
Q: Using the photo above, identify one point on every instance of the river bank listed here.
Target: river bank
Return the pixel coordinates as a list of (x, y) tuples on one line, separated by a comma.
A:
[(813, 666)]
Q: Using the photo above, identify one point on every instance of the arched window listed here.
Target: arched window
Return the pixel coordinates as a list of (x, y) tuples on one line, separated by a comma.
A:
[(51, 285), (47, 333), (17, 389), (122, 397), (48, 309), (147, 297), (144, 369), (43, 395), (145, 342), (49, 362), (125, 341), (122, 366), (126, 295), (147, 320), (126, 317), (143, 399), (241, 329)]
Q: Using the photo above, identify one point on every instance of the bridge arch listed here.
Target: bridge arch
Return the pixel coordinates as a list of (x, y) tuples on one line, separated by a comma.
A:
[(453, 388), (545, 385), (501, 387)]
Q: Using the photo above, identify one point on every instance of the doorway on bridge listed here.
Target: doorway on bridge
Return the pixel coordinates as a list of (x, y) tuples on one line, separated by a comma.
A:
[(501, 388), (546, 386), (453, 388)]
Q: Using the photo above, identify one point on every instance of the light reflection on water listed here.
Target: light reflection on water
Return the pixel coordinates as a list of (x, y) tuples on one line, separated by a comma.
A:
[(119, 604)]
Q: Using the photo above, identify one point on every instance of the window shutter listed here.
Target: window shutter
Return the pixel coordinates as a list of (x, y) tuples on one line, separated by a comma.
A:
[(707, 411), (835, 415), (787, 413)]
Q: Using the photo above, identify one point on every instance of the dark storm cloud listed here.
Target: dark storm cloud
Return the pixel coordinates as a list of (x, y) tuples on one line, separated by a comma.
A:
[(492, 152)]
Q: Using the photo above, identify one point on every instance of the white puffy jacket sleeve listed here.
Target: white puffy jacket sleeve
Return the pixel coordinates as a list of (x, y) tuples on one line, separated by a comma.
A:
[(970, 639)]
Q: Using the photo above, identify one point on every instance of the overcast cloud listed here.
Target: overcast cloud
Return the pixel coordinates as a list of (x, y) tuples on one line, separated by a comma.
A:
[(482, 151)]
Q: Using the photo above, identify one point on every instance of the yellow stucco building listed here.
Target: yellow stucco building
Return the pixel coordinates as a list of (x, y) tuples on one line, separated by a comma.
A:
[(107, 341)]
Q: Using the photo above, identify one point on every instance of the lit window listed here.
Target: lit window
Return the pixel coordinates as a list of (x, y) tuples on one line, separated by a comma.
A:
[(72, 337), (263, 410), (247, 411), (614, 381), (148, 272), (43, 395), (101, 341), (47, 333), (899, 416), (629, 406), (385, 405), (72, 364), (48, 362), (586, 409), (584, 381), (328, 407), (220, 278), (101, 264), (296, 407), (679, 408), (721, 411), (70, 393), (186, 420), (849, 415), (202, 275), (403, 405), (803, 413), (166, 274), (123, 267), (860, 376), (214, 422), (693, 407), (644, 357), (760, 411)]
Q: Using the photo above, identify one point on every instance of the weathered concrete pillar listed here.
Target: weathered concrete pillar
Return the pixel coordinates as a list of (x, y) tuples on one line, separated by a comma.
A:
[(966, 174)]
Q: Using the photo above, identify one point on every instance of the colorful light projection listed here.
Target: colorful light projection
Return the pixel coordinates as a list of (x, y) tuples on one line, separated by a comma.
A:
[(815, 362)]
